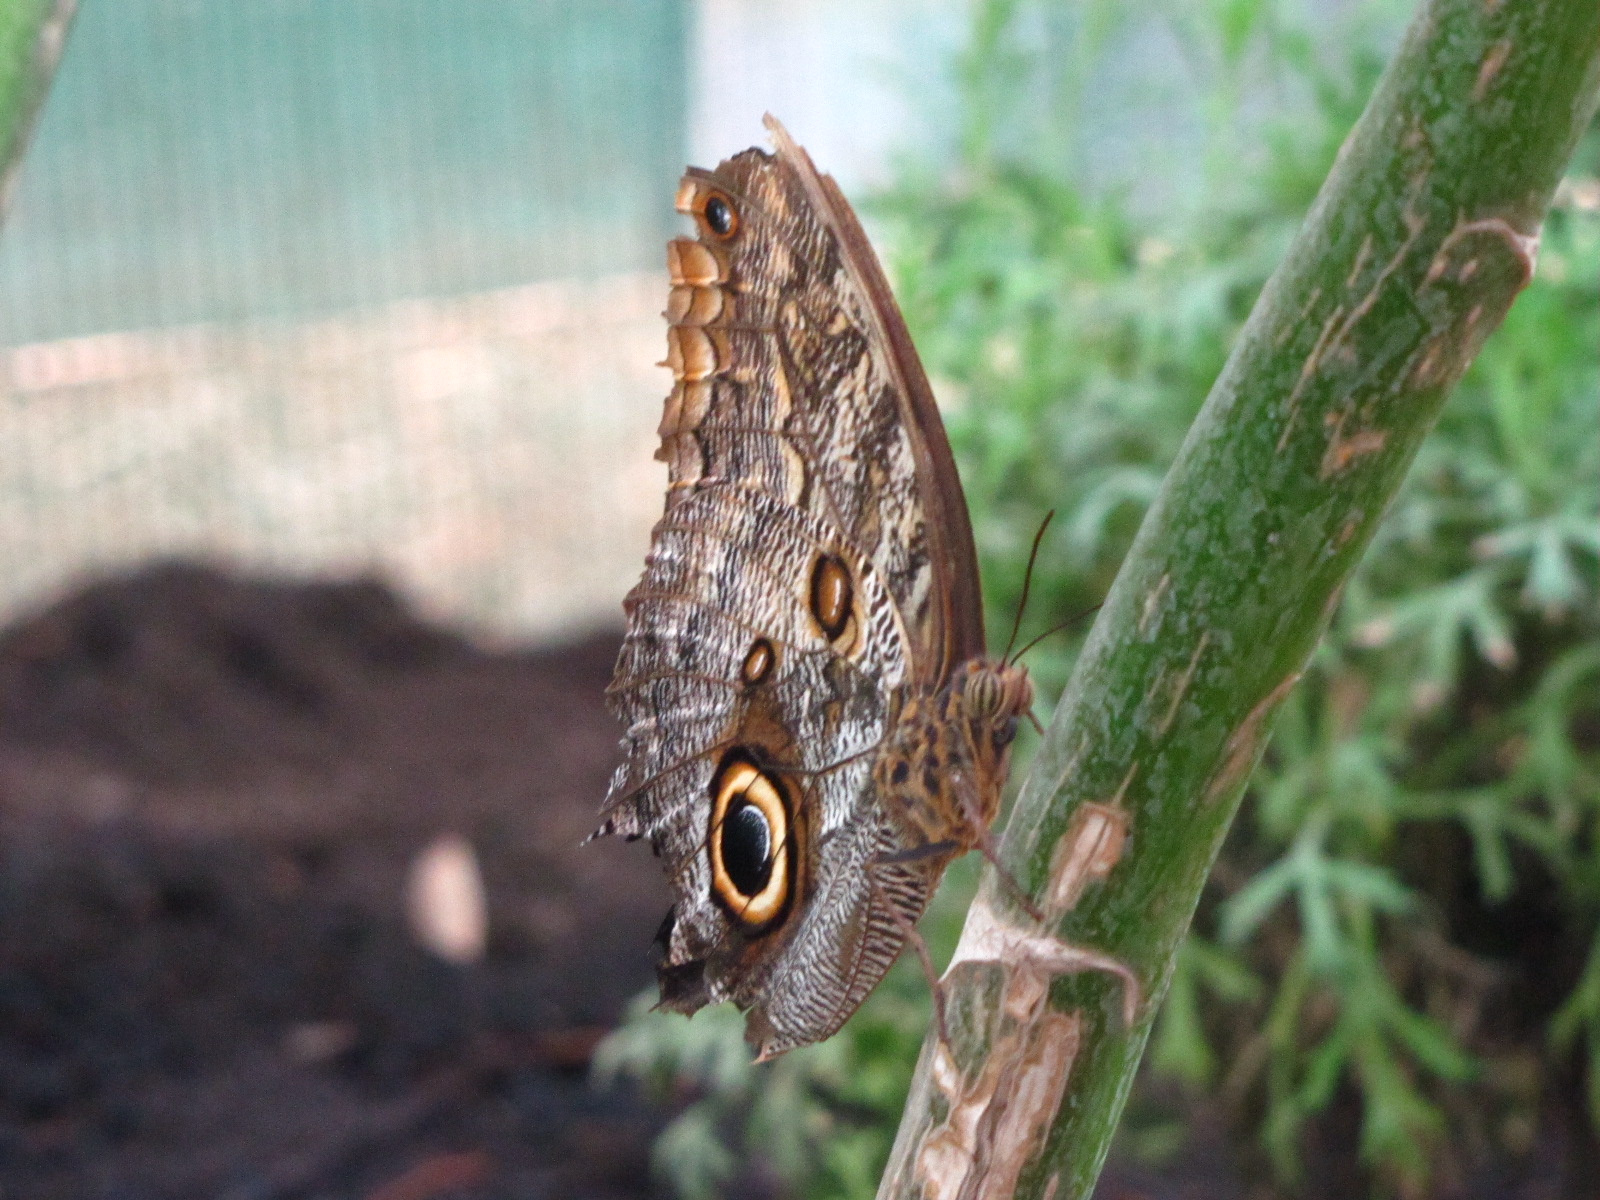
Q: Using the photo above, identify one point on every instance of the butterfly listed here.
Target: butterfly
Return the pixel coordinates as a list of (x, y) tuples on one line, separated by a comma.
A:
[(813, 728)]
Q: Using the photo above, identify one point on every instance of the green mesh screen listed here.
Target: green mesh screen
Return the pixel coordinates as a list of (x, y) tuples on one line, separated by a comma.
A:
[(332, 286)]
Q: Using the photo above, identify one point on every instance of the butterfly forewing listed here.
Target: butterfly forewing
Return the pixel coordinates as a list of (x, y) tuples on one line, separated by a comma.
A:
[(812, 568)]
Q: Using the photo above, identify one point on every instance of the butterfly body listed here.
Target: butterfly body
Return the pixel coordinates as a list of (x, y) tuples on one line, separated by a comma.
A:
[(943, 765), (813, 729)]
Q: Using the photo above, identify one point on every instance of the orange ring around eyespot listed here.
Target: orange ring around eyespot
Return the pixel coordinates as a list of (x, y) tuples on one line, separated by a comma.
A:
[(704, 211), (740, 780)]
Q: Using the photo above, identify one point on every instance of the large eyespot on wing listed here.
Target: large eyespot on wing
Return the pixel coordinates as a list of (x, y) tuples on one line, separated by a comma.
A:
[(752, 844)]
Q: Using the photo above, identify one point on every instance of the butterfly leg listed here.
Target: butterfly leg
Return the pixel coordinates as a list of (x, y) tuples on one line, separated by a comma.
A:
[(947, 848), (988, 848), (984, 841)]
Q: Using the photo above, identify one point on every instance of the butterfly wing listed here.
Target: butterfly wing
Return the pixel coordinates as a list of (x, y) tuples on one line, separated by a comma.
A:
[(813, 568), (945, 608)]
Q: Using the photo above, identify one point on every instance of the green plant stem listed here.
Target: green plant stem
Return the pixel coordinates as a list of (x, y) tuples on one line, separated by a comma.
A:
[(32, 34), (1423, 234)]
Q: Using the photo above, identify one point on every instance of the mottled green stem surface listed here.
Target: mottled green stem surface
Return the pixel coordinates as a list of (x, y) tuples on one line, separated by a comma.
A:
[(32, 33), (1423, 234)]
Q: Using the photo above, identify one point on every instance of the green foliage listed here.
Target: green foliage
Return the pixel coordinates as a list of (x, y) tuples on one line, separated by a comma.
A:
[(1417, 866), (1404, 919)]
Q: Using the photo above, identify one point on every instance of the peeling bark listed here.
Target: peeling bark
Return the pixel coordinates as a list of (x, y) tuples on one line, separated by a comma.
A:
[(1422, 236)]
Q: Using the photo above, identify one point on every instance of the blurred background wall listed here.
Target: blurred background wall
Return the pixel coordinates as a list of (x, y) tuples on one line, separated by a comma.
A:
[(375, 286)]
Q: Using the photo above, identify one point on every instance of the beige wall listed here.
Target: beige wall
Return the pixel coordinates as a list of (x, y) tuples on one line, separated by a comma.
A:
[(491, 454)]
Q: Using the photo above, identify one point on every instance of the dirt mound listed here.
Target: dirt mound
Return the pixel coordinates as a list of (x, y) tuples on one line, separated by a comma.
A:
[(211, 790)]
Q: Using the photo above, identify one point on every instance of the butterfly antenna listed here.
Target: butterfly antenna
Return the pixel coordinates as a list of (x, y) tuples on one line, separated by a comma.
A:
[(1072, 620), (1027, 583)]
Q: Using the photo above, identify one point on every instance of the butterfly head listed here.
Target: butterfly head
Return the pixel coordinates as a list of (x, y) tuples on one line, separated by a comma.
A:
[(995, 695)]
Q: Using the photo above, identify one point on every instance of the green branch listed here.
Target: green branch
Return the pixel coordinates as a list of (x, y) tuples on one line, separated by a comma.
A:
[(32, 34), (1423, 234)]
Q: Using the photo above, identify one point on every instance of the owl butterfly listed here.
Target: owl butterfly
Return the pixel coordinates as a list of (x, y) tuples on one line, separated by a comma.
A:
[(813, 729)]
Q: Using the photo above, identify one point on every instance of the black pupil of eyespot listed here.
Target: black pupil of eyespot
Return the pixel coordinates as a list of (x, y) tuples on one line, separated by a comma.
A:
[(719, 216), (1006, 734), (747, 847)]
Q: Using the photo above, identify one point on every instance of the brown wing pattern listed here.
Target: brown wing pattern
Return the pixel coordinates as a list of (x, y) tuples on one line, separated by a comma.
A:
[(955, 630), (813, 566)]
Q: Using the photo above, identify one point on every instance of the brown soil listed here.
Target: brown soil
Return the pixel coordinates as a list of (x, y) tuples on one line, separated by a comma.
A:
[(211, 790)]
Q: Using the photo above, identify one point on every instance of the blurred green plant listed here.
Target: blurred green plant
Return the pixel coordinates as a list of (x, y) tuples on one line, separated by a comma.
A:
[(1403, 923), (32, 33)]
